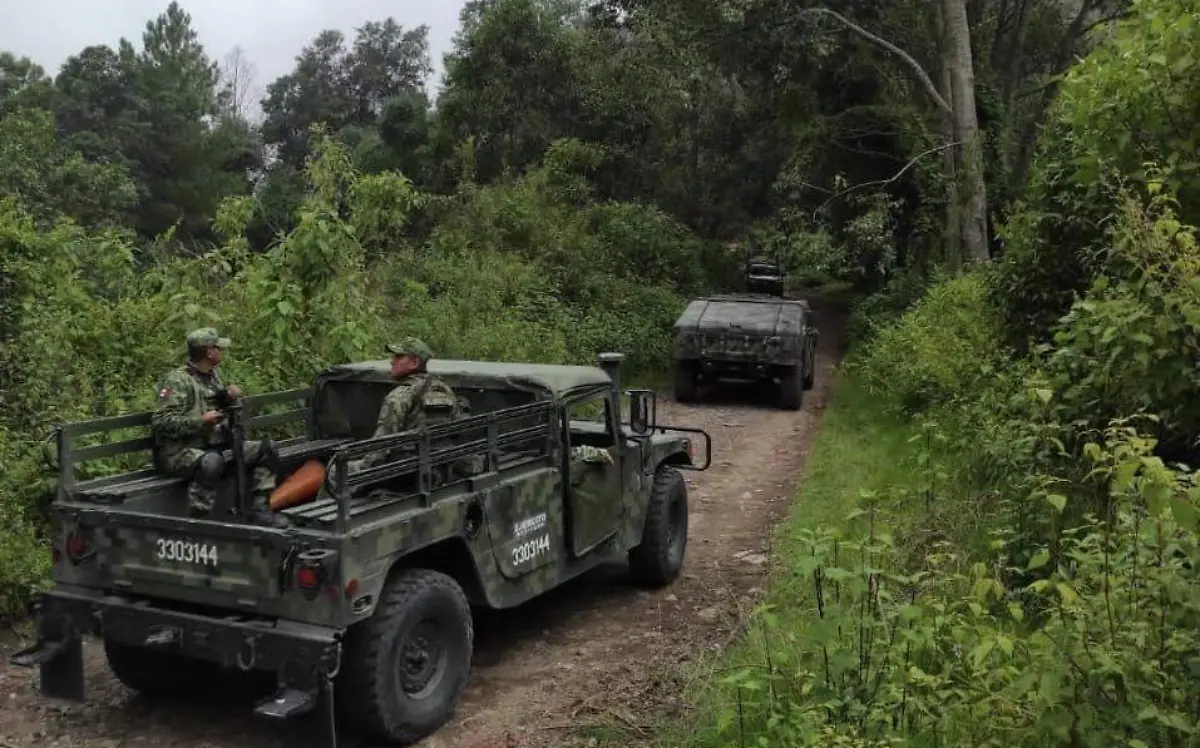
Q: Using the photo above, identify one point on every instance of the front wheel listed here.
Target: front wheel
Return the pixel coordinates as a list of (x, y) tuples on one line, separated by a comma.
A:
[(685, 383), (658, 559), (791, 389), (406, 666)]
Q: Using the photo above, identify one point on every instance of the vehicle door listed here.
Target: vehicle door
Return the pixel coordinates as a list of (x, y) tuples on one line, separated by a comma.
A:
[(592, 487)]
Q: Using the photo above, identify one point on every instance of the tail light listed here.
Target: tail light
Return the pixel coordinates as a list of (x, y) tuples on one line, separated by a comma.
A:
[(77, 546), (314, 570)]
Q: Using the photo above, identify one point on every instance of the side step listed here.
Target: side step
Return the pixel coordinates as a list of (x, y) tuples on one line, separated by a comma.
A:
[(286, 703), (289, 701), (39, 654), (60, 662)]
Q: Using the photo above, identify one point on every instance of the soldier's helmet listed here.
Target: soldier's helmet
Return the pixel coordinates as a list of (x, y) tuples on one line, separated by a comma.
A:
[(410, 346), (207, 337)]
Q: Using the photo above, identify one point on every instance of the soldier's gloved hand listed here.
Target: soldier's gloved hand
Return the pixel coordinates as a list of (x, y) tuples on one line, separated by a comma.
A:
[(234, 390), (212, 417)]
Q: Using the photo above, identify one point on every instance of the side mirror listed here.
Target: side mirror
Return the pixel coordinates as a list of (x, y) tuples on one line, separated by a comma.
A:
[(641, 411)]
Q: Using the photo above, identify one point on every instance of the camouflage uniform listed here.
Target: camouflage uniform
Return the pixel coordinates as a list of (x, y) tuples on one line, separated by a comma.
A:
[(418, 400), (585, 455), (182, 439)]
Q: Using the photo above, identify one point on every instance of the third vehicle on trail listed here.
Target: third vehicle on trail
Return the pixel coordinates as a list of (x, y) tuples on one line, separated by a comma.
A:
[(361, 605), (760, 335)]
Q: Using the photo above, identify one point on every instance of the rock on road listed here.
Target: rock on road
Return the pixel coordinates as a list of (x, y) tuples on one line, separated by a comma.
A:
[(594, 649)]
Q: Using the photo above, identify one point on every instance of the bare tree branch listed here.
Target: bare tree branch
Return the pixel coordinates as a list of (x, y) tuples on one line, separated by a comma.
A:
[(908, 59), (881, 182)]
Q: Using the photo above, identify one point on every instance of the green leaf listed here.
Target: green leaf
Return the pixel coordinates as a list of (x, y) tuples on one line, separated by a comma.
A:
[(1186, 513), (1040, 559), (1057, 501)]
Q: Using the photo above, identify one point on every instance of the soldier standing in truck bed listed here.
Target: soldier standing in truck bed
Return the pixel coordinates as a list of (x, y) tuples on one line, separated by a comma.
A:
[(192, 435)]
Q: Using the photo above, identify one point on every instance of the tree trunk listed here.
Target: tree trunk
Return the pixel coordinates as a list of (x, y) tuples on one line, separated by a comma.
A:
[(952, 253), (966, 130)]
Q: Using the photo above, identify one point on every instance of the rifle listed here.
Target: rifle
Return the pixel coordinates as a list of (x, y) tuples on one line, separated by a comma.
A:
[(237, 428)]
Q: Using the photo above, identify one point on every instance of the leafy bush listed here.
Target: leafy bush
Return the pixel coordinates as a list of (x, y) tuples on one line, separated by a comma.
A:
[(1131, 101), (1131, 343), (1097, 650), (944, 347), (885, 307)]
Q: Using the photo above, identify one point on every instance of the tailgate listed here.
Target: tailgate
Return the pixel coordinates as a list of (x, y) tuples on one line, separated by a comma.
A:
[(170, 557), (195, 558)]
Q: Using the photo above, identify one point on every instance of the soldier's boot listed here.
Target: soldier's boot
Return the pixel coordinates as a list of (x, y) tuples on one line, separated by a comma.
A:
[(200, 499), (260, 505)]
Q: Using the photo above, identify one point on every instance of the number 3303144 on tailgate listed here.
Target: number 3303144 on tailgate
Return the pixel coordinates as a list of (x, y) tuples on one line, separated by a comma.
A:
[(187, 551)]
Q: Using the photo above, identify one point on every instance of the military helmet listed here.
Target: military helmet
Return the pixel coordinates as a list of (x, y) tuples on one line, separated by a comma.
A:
[(410, 346), (206, 337)]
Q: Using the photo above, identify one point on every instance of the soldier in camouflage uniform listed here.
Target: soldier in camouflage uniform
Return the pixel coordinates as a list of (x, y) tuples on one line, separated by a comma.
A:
[(419, 399), (192, 437), (585, 455)]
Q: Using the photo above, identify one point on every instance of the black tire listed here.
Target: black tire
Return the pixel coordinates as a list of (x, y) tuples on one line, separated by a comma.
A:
[(810, 370), (157, 674), (658, 559), (791, 389), (685, 383), (372, 696)]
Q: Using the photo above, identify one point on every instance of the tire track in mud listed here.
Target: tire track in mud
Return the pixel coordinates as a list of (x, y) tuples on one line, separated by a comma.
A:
[(595, 649)]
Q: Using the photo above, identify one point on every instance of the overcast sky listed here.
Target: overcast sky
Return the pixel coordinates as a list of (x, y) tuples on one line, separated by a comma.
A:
[(270, 31)]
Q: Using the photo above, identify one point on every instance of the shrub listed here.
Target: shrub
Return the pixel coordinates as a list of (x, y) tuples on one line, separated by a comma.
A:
[(943, 348), (1130, 101)]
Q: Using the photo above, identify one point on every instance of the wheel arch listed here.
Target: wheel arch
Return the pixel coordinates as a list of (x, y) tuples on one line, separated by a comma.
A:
[(452, 557)]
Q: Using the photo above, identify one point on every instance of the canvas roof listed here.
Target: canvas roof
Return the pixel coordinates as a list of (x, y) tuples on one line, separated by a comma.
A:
[(554, 379)]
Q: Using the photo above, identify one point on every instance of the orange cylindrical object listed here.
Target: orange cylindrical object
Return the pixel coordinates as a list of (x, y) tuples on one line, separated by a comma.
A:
[(300, 486)]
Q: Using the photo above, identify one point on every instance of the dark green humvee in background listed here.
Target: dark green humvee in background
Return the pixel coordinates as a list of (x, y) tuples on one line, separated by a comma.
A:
[(760, 335), (363, 602), (764, 276)]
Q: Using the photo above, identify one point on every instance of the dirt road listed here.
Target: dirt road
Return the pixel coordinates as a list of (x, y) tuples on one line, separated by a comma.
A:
[(595, 650)]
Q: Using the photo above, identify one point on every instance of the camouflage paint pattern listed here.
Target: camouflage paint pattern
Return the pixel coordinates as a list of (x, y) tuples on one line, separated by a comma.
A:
[(509, 527), (744, 329)]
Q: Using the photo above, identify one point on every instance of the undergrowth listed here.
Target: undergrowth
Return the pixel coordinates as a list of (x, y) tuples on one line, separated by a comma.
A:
[(988, 550)]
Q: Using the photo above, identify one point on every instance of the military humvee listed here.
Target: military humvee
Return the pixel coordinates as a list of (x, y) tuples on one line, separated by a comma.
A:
[(361, 607), (764, 276), (745, 336)]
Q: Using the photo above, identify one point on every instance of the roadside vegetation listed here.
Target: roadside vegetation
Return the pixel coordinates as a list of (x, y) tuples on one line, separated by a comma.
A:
[(995, 539), (996, 535)]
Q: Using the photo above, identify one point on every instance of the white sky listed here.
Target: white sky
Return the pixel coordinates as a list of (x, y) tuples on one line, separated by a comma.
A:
[(271, 32)]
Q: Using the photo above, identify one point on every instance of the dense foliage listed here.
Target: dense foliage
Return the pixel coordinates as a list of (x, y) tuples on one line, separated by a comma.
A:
[(1015, 441), (1015, 456)]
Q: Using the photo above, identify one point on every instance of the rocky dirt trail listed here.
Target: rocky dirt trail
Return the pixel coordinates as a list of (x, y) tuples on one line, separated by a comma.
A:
[(596, 650)]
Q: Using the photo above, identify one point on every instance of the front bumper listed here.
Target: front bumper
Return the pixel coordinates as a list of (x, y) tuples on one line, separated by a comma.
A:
[(306, 658), (733, 367)]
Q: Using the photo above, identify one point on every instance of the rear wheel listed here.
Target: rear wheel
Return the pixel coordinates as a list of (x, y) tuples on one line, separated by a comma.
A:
[(158, 674), (810, 369), (658, 559), (791, 389), (685, 382), (406, 666)]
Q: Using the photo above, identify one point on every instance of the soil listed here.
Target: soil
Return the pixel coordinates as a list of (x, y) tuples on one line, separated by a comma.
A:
[(598, 650)]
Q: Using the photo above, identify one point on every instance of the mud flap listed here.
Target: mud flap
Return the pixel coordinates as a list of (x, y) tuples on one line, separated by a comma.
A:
[(58, 655)]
